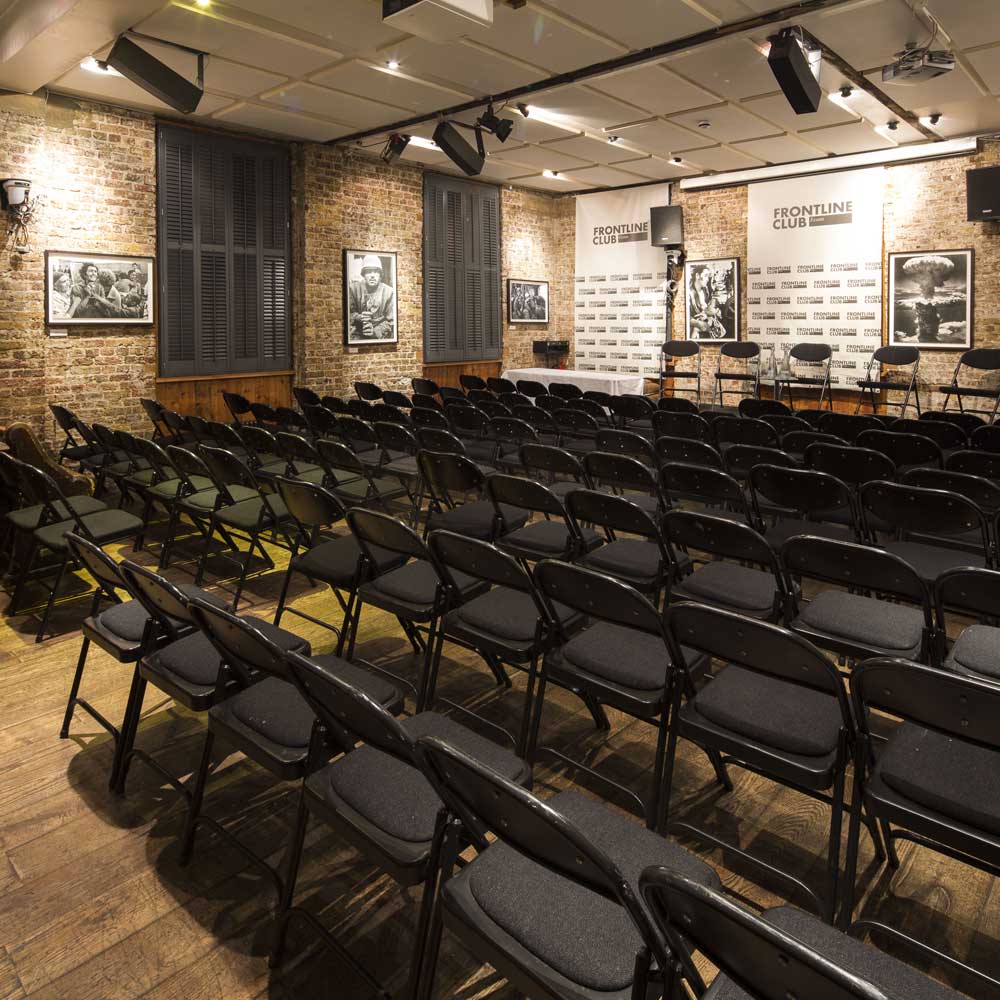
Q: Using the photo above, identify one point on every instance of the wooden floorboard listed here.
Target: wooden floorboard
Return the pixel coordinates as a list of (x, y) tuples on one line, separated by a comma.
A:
[(94, 905)]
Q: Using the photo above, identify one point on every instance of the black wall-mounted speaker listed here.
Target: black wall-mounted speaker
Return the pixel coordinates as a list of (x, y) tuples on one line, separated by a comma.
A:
[(461, 153), (982, 194), (155, 77), (666, 226), (791, 69)]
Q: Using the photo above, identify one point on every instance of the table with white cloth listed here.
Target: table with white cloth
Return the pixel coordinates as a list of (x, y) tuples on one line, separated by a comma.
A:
[(610, 382)]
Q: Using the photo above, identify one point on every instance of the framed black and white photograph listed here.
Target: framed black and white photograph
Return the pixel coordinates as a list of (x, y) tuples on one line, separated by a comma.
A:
[(371, 314), (527, 301), (930, 299), (96, 289), (712, 297)]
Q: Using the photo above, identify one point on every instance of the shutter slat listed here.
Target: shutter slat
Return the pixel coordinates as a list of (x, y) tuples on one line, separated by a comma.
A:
[(245, 325), (178, 309), (244, 201), (212, 195), (214, 326), (275, 308)]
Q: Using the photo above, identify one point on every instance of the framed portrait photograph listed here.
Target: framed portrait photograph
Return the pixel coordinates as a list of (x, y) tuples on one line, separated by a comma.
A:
[(371, 313), (96, 289), (930, 299), (527, 301), (712, 299)]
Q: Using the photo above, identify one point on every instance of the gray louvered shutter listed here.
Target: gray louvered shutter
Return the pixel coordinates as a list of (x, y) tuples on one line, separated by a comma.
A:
[(225, 268), (462, 306)]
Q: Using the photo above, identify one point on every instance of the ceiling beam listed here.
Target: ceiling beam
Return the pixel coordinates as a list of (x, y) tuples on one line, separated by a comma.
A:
[(24, 22), (789, 12)]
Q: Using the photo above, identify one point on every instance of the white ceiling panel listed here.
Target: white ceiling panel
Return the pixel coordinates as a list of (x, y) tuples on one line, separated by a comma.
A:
[(780, 149), (776, 108), (721, 158), (118, 90), (982, 115), (500, 171), (595, 150), (986, 63), (662, 137), (265, 51), (727, 123), (278, 122), (346, 108), (654, 89), (968, 22), (534, 129), (469, 68), (732, 68), (946, 89), (558, 185), (352, 26), (637, 23), (540, 157), (843, 139), (654, 168), (584, 106), (604, 176), (542, 40), (866, 35), (356, 77)]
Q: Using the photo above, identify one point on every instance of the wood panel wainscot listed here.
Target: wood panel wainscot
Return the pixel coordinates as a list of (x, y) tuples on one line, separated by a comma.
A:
[(448, 373), (202, 394)]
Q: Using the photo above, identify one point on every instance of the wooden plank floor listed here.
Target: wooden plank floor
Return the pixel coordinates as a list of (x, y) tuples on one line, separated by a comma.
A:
[(94, 906)]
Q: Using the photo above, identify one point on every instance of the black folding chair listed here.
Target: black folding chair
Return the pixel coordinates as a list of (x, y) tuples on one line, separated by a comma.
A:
[(795, 443), (634, 413), (472, 382), (556, 467), (708, 486), (754, 409), (368, 391), (743, 430), (355, 483), (568, 853), (781, 953), (689, 426), (238, 406), (917, 785), (745, 375), (424, 386), (972, 593), (627, 476), (810, 356), (778, 708), (378, 799), (878, 379), (306, 397), (74, 445), (948, 436), (883, 610), (975, 463), (676, 404), (497, 385), (670, 352), (983, 361), (687, 452)]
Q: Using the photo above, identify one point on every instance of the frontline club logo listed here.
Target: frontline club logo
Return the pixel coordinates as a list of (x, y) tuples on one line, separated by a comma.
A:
[(623, 232), (823, 213)]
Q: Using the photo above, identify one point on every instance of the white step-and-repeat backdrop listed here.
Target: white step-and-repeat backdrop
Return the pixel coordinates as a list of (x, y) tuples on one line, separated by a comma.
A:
[(814, 267), (620, 321)]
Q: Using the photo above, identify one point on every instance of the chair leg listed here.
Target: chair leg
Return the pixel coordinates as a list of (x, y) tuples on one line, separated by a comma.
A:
[(833, 848), (529, 693), (432, 659), (596, 711), (74, 688), (280, 610), (653, 805), (22, 577), (288, 887), (536, 719), (129, 727), (191, 826), (40, 635), (853, 842), (668, 774)]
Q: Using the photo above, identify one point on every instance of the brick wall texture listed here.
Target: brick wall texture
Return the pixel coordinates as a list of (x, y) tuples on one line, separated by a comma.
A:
[(95, 168)]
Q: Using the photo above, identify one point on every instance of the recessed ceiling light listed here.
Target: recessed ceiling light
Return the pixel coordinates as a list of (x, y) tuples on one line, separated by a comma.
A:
[(92, 65), (550, 173), (676, 159), (393, 64), (930, 121), (614, 138), (202, 3), (417, 140)]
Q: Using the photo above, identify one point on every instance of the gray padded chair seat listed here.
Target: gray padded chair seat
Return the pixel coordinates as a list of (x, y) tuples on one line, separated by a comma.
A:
[(547, 537), (416, 583), (729, 585), (633, 559), (336, 561), (588, 940), (786, 528), (771, 711), (976, 652), (103, 525), (128, 619), (246, 514), (405, 466), (27, 518), (893, 977), (621, 655), (475, 519), (930, 561), (394, 797), (895, 628), (957, 779), (507, 613), (205, 500)]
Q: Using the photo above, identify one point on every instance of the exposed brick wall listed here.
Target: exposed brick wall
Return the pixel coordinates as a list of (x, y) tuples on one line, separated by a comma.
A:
[(95, 168)]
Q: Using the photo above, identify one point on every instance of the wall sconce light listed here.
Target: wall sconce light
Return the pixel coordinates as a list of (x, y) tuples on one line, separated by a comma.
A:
[(20, 210)]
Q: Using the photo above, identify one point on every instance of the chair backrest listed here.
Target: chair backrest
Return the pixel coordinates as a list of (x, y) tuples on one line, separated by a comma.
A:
[(757, 408), (264, 413), (677, 404), (805, 490), (64, 417), (105, 438), (550, 459), (289, 418), (487, 802), (386, 413), (849, 425), (496, 384), (157, 458), (986, 438), (981, 491), (454, 397), (743, 350), (565, 390), (812, 416), (335, 404), (529, 387), (259, 442), (425, 401), (745, 430), (720, 537), (811, 353), (682, 425), (626, 443), (617, 470), (468, 382), (542, 421), (336, 457), (238, 406), (481, 560), (850, 464), (476, 396), (494, 408), (703, 483), (163, 601), (947, 435), (397, 399), (969, 422), (439, 439), (512, 399), (98, 563), (754, 644), (322, 422), (970, 589), (598, 412), (425, 386), (687, 452), (798, 441), (306, 397), (632, 407), (296, 450), (915, 508), (367, 390), (848, 564), (396, 437), (985, 359), (360, 408), (423, 417), (525, 494), (681, 348), (962, 707), (785, 424), (510, 430), (975, 463), (226, 470), (897, 355), (358, 434), (187, 464), (739, 459), (765, 962), (310, 506), (576, 423), (375, 530), (611, 512), (225, 436), (447, 473), (468, 420)]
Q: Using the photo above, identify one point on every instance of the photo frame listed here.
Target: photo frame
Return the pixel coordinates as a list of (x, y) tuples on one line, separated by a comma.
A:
[(712, 299), (371, 306), (931, 299), (527, 301), (99, 289)]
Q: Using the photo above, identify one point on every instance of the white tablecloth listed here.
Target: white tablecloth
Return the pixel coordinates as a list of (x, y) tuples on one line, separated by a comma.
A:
[(609, 382)]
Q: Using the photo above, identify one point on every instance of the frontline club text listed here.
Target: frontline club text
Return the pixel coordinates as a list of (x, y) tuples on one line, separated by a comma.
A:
[(822, 213)]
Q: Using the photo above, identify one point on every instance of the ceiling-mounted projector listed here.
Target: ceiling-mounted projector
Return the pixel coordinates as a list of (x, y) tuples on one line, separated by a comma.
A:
[(438, 20), (914, 66)]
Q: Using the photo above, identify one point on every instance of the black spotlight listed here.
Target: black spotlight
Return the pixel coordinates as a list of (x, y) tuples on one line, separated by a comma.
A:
[(467, 159), (500, 127), (395, 147), (798, 80), (155, 77)]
